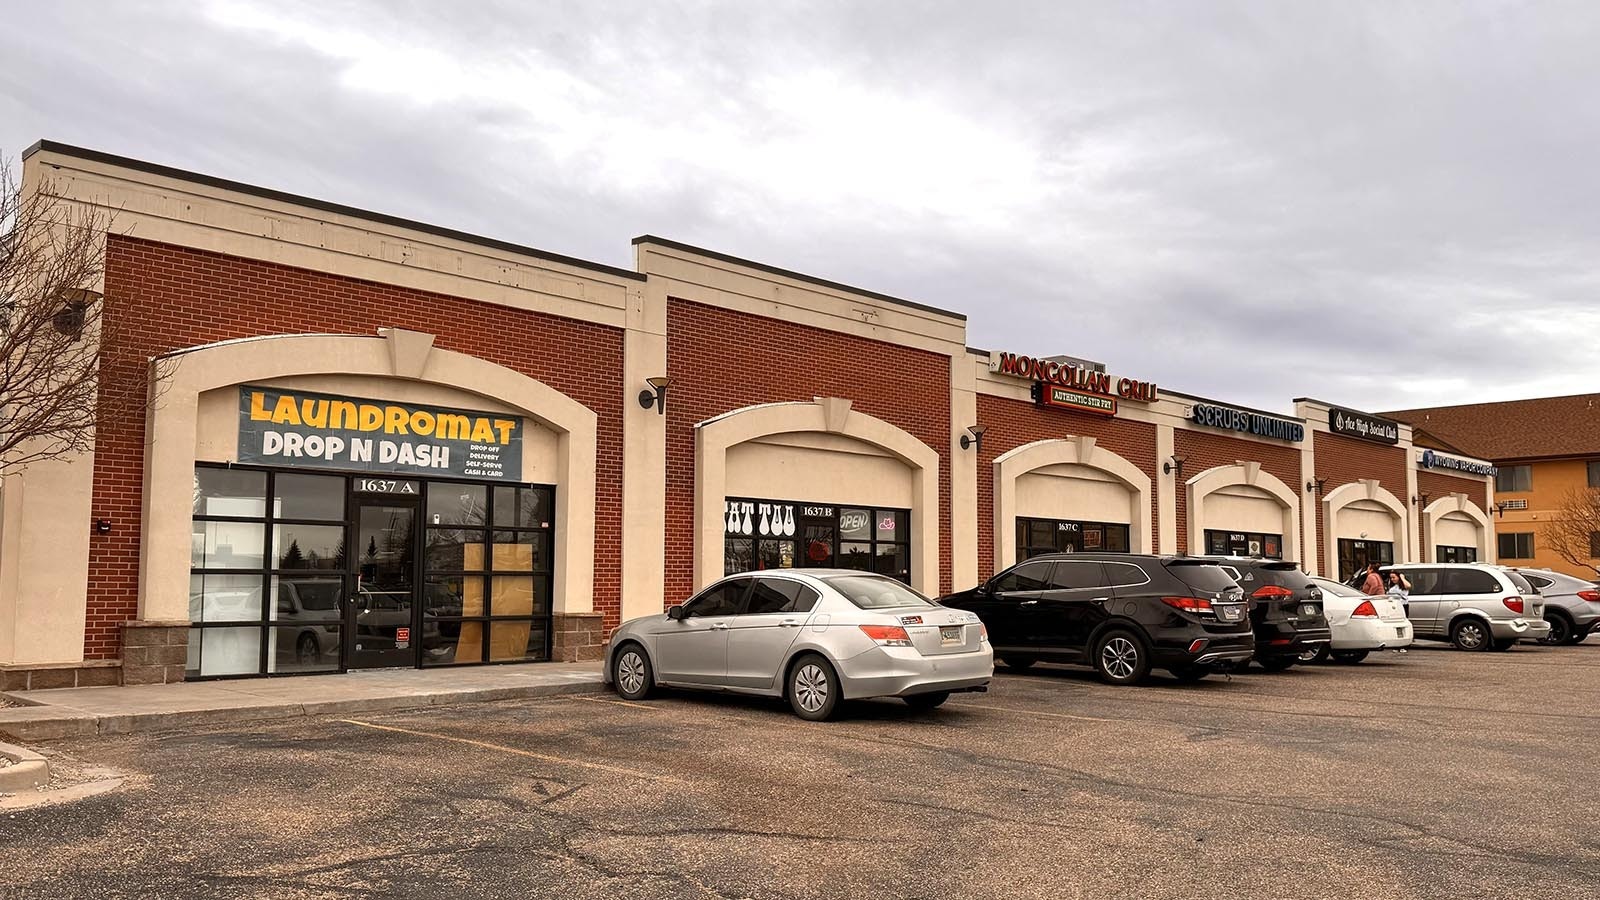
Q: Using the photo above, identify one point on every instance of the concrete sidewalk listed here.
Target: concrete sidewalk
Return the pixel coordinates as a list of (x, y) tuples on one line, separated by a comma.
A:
[(76, 712)]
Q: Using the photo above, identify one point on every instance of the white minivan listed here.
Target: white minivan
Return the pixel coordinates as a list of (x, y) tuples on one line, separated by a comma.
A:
[(1475, 606)]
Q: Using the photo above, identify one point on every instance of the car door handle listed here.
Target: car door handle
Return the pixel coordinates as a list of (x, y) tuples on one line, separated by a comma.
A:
[(1029, 603), (789, 623), (719, 626)]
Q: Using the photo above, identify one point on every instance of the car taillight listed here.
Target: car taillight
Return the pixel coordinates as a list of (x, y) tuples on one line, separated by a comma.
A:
[(1365, 611), (1269, 591), (1591, 596), (1513, 603), (983, 632), (1189, 604), (887, 635)]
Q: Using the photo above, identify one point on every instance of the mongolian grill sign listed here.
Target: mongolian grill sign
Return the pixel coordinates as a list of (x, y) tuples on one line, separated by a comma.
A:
[(304, 429)]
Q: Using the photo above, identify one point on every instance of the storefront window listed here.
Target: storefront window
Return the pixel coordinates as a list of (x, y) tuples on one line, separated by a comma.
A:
[(1446, 554), (1244, 543), (1036, 536), (1355, 555), (787, 534)]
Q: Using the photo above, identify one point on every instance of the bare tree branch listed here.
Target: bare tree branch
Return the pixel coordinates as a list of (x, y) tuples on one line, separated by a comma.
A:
[(1574, 531), (53, 326)]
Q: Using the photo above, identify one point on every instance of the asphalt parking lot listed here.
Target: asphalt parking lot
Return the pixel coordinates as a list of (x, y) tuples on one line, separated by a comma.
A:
[(1430, 774)]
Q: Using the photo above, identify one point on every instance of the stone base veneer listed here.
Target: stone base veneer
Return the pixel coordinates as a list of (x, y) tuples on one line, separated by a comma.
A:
[(154, 652), (91, 673), (579, 637)]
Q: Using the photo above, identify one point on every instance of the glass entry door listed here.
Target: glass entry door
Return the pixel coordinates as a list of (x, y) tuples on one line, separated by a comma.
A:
[(380, 626)]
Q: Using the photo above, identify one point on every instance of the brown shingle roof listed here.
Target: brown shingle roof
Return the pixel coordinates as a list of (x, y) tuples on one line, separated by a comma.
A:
[(1514, 429)]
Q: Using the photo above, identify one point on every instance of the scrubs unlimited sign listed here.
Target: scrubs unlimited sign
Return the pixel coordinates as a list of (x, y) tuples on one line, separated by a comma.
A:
[(300, 428)]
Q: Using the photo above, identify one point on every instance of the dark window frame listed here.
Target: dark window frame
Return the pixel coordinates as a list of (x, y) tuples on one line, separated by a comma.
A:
[(1225, 546), (1347, 548), (756, 541), (1452, 553), (1507, 478), (1027, 548), (1518, 542)]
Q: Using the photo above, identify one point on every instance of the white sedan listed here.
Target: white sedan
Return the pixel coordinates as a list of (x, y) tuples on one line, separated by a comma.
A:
[(1361, 624)]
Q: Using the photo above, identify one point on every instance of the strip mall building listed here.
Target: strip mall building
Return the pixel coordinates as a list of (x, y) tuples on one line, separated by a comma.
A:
[(375, 442)]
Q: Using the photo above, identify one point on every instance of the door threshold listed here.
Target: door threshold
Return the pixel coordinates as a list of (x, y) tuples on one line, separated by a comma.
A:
[(366, 669)]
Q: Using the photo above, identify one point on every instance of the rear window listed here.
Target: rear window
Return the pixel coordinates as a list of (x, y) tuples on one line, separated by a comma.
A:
[(876, 592), (1284, 576), (1521, 583), (1202, 576)]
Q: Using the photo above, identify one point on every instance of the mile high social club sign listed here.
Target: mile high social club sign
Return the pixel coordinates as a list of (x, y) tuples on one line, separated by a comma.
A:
[(1066, 386)]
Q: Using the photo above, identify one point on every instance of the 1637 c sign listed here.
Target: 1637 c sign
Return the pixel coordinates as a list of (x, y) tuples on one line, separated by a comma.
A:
[(280, 427)]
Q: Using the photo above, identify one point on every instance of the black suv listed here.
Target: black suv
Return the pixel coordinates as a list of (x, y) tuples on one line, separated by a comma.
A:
[(1123, 614), (1285, 609)]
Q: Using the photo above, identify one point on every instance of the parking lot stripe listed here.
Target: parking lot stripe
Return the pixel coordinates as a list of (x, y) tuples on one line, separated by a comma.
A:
[(504, 749), (1030, 712), (614, 702)]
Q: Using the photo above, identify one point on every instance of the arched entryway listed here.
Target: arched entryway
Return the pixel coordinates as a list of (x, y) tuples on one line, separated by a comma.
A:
[(1068, 483)]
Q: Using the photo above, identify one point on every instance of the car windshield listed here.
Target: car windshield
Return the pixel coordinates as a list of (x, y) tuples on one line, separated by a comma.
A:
[(1201, 575), (876, 592)]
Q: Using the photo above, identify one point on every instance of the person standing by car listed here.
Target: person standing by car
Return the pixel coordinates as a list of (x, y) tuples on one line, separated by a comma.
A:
[(1372, 585), (1399, 586)]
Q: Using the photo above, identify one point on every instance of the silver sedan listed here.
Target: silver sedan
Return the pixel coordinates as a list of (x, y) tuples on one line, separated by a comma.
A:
[(812, 636)]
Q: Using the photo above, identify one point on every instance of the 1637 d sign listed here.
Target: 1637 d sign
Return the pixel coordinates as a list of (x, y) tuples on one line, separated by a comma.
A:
[(299, 428)]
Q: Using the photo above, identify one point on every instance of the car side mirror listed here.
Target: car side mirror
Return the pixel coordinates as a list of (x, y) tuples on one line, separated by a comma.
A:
[(675, 612)]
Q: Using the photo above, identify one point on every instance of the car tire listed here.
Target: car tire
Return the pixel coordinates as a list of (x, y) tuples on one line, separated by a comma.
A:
[(1502, 646), (1018, 663), (1560, 631), (306, 650), (631, 673), (1120, 658), (1276, 663), (813, 688), (1316, 654), (1349, 657), (1577, 638), (1190, 674), (1470, 634), (927, 701)]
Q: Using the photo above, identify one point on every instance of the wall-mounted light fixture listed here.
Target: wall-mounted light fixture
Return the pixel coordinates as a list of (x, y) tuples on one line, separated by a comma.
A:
[(1500, 508), (1315, 485), (1174, 465), (656, 394), (102, 526), (1421, 498), (973, 437)]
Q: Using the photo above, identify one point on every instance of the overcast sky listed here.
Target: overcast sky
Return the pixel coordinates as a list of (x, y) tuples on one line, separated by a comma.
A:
[(1383, 204)]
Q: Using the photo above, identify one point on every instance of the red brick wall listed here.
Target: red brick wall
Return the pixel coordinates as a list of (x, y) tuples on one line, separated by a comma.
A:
[(1342, 460), (720, 360), (1012, 423), (181, 298), (1438, 484), (1202, 450)]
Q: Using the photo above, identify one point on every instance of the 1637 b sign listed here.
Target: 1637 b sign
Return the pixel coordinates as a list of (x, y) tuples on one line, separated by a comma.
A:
[(299, 428)]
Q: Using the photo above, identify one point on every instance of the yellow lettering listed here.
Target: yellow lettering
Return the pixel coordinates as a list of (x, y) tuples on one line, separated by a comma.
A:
[(394, 420), (314, 413), (481, 432), (504, 426), (285, 412), (258, 407), (452, 427), (342, 414), (371, 417), (422, 423)]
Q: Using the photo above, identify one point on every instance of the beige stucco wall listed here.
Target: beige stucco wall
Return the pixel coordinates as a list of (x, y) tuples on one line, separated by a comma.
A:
[(44, 560), (1243, 508), (1068, 491), (818, 469), (1456, 530), (1367, 521), (1053, 459)]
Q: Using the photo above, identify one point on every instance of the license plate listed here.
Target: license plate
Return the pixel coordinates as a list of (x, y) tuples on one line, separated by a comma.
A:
[(1230, 613), (1308, 610), (950, 634)]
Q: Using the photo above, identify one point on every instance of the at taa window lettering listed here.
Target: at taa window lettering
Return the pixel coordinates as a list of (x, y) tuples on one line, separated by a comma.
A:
[(1036, 536), (1243, 543), (1516, 545), (760, 535)]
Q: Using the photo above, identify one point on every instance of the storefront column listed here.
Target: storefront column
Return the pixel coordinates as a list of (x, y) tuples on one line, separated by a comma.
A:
[(963, 475), (1167, 492), (644, 455), (1310, 560), (1417, 549)]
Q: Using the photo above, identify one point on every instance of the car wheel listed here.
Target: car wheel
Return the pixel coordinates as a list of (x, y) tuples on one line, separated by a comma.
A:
[(1018, 663), (1349, 657), (1470, 634), (1120, 658), (927, 701), (1276, 663), (813, 688), (1190, 674), (306, 651), (1310, 655), (1560, 631), (1502, 646), (631, 673), (1577, 638)]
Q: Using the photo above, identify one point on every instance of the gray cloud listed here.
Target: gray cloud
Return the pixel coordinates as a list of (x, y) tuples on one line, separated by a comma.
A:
[(1380, 204)]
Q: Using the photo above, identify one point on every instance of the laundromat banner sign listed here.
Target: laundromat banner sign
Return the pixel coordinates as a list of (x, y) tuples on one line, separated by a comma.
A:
[(324, 431)]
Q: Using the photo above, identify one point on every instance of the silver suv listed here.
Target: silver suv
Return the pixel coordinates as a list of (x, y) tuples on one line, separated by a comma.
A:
[(1571, 605), (1475, 606)]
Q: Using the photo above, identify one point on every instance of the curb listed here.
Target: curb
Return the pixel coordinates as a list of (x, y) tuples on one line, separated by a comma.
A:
[(28, 770), (41, 723)]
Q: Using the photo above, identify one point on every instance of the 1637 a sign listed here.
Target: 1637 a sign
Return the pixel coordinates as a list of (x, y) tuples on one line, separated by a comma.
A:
[(280, 427)]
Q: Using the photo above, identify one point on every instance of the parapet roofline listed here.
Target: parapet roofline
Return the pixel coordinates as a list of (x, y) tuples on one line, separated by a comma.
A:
[(139, 165), (798, 276), (1288, 417)]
